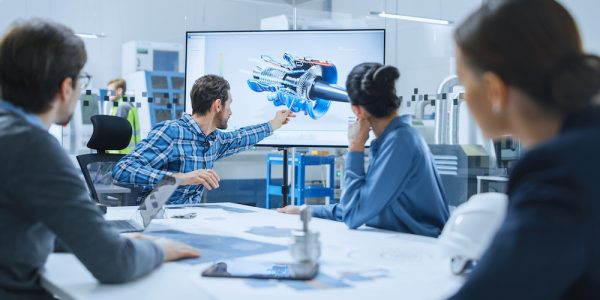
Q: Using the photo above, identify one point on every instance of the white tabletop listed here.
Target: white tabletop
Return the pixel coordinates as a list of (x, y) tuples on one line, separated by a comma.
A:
[(355, 264)]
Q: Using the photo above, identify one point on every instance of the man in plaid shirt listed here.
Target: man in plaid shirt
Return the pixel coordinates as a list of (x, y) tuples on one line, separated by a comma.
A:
[(188, 147)]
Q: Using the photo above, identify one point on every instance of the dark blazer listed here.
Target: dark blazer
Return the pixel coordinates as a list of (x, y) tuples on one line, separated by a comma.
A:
[(549, 244), (41, 198)]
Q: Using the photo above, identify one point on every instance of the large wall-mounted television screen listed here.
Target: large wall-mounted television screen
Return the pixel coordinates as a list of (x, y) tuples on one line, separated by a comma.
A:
[(304, 71)]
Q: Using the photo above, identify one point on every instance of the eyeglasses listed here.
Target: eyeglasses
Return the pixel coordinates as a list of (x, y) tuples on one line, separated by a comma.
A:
[(84, 80)]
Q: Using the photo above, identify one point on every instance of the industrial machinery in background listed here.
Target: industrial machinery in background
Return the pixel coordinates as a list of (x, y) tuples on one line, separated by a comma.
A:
[(459, 166), (159, 96), (155, 80), (508, 151), (151, 56), (302, 84), (424, 114), (459, 161)]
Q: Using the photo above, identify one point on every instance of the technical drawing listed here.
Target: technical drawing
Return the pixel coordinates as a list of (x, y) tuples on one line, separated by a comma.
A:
[(302, 84)]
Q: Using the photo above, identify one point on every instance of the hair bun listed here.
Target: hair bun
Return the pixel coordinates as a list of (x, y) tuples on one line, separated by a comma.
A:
[(372, 86), (575, 83), (379, 80), (386, 74), (367, 84)]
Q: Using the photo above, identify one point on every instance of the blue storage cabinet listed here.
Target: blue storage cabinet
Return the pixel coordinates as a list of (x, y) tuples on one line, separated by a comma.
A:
[(166, 91), (301, 191)]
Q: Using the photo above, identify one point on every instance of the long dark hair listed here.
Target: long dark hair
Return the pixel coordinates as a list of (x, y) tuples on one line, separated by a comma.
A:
[(373, 86), (535, 46)]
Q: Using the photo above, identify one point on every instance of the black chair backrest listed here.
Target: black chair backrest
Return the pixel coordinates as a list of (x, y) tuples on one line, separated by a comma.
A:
[(110, 133)]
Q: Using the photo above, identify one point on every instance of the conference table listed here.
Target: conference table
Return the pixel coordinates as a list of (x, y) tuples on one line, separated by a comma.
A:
[(366, 263)]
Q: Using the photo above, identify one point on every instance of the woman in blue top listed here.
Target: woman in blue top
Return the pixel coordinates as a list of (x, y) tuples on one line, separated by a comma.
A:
[(401, 190)]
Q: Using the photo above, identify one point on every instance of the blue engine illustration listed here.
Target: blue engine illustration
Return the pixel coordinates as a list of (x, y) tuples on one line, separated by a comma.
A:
[(301, 84)]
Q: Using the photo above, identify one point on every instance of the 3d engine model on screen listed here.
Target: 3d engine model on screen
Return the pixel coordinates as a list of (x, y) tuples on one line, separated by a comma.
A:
[(301, 84)]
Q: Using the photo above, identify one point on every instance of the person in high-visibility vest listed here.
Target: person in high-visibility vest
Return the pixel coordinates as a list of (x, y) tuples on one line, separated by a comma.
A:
[(124, 109)]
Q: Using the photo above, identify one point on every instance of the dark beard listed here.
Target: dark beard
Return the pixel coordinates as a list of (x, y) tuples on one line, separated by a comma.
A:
[(222, 123)]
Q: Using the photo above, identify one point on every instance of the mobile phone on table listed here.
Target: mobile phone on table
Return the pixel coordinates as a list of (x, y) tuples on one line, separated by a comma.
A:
[(262, 270)]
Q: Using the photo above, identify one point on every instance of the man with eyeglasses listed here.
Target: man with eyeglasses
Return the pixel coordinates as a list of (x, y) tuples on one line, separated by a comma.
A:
[(84, 80), (42, 197)]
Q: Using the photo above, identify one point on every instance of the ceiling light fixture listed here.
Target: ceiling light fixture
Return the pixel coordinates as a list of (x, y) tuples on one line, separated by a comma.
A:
[(91, 35), (409, 18)]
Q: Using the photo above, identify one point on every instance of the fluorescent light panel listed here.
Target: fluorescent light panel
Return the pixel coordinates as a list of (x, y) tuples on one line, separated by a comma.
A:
[(410, 18), (91, 35)]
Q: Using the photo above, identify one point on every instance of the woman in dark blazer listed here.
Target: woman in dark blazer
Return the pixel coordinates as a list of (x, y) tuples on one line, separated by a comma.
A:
[(525, 74)]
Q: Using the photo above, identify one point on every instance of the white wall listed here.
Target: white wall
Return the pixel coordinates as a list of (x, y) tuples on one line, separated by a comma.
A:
[(585, 13), (152, 20)]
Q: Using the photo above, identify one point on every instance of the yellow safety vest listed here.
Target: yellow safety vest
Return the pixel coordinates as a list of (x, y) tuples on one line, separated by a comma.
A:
[(134, 121)]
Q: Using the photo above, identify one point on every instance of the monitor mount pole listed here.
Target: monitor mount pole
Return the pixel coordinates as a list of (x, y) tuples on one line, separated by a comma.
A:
[(284, 184)]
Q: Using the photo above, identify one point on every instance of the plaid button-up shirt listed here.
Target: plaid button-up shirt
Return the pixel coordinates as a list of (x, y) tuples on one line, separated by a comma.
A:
[(180, 146)]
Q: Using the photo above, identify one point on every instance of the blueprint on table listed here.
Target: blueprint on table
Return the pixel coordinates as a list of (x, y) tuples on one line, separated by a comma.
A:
[(216, 247)]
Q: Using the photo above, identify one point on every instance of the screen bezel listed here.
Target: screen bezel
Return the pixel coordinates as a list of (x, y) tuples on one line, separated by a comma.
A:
[(187, 34)]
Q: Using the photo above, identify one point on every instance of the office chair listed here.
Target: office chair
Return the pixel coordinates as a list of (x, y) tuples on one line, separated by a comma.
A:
[(110, 133)]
